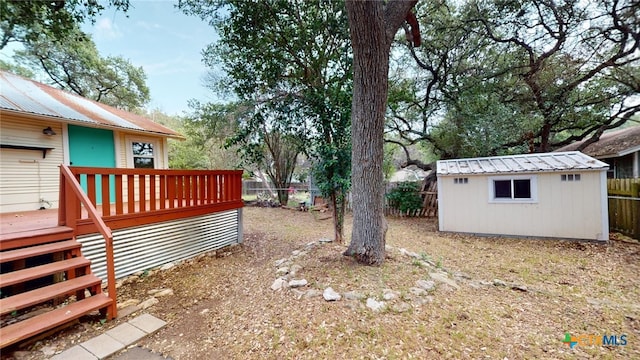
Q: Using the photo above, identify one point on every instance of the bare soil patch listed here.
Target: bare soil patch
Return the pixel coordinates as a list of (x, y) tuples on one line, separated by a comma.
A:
[(223, 306)]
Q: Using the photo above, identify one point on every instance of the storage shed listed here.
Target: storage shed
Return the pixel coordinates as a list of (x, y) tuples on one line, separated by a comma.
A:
[(556, 195)]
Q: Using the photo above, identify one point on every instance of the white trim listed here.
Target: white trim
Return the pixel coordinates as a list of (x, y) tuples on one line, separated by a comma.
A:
[(534, 189), (604, 207), (117, 147), (66, 158), (439, 181), (165, 152), (156, 148), (629, 151)]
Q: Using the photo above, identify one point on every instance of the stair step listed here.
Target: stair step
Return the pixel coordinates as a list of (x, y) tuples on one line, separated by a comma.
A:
[(40, 295), (34, 237), (24, 329), (24, 253), (36, 272)]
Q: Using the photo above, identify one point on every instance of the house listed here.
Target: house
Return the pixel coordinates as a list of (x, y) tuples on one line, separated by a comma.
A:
[(619, 148), (109, 205), (555, 195), (43, 127)]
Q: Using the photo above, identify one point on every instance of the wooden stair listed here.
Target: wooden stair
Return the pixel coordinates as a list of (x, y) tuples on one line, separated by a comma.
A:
[(45, 270)]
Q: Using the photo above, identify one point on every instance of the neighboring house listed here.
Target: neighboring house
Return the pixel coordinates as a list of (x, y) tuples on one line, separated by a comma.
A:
[(43, 127), (619, 148), (556, 195)]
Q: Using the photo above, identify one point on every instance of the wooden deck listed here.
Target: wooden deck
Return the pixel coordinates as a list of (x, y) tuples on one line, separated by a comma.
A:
[(28, 220)]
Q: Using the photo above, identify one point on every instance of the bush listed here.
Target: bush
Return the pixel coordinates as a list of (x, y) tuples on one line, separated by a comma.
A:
[(405, 197)]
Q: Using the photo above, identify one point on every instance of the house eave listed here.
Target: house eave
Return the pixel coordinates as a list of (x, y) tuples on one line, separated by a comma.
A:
[(44, 117)]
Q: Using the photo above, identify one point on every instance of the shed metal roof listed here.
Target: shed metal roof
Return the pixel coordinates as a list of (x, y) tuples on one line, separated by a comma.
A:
[(525, 163), (30, 97)]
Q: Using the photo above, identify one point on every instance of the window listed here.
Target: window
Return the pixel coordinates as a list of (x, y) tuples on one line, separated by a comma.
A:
[(460, 180), (143, 155), (570, 177), (513, 189)]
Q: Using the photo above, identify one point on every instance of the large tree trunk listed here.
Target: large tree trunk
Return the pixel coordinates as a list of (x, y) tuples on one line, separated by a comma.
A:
[(372, 26)]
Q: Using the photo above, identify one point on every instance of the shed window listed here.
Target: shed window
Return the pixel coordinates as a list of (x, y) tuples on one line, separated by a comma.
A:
[(570, 177), (460, 180), (513, 189)]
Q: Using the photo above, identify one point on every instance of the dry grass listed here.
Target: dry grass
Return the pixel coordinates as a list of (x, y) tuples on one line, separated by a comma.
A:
[(223, 306)]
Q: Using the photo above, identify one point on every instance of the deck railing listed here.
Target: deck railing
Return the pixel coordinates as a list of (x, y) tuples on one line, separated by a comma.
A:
[(132, 197)]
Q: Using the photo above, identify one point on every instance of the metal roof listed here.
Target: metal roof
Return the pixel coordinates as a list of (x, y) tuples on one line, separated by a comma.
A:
[(31, 97), (525, 163)]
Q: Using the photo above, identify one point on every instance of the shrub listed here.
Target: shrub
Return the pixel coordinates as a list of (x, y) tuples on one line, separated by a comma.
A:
[(405, 197)]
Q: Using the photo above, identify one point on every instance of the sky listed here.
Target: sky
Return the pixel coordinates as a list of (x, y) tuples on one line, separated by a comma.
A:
[(166, 43)]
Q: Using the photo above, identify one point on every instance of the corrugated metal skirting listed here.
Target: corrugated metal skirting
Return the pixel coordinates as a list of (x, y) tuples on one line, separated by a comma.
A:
[(145, 247)]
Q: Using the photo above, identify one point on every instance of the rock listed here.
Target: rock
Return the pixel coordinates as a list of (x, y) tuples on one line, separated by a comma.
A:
[(405, 252), (353, 295), (295, 252), (49, 351), (420, 291), (298, 293), (325, 240), (282, 271), (427, 285), (443, 278), (522, 288), (127, 303), (331, 295), (498, 282), (312, 293), (298, 283), (278, 284), (401, 307), (423, 300), (294, 269), (164, 292), (148, 303), (389, 294), (280, 262), (375, 305), (204, 311), (167, 266), (19, 355)]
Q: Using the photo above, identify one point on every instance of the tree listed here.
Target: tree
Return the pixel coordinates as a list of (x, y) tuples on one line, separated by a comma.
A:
[(74, 64), (373, 25), (291, 60), (485, 86), (27, 21)]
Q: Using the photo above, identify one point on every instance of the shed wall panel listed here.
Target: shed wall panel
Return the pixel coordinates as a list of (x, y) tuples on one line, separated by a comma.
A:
[(26, 176), (145, 247), (564, 209)]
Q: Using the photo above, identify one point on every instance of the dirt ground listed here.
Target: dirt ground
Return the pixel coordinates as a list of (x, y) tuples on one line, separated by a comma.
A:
[(515, 298)]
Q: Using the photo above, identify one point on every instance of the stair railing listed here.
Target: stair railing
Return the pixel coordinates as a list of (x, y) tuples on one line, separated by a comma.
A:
[(71, 197)]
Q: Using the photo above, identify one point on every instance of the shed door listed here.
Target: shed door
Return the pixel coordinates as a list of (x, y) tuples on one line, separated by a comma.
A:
[(95, 148)]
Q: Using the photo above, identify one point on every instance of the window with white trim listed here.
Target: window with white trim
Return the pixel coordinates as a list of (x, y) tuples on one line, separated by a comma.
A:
[(142, 153), (513, 189)]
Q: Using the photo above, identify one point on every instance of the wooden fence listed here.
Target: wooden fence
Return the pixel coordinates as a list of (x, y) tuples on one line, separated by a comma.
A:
[(624, 206)]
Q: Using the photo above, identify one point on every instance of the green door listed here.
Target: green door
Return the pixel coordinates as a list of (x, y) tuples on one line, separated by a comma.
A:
[(95, 148)]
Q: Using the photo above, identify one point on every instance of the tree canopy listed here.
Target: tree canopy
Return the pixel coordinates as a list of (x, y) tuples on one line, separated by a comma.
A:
[(28, 21), (74, 64), (495, 77)]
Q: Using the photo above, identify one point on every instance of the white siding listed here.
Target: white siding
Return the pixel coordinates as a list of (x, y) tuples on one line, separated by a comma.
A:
[(564, 209), (25, 176)]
